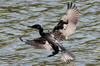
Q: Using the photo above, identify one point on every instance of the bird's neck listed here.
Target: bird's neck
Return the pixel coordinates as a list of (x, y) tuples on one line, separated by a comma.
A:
[(41, 31)]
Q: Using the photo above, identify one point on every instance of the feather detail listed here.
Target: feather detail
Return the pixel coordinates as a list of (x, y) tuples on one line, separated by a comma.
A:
[(67, 56), (39, 43), (67, 24)]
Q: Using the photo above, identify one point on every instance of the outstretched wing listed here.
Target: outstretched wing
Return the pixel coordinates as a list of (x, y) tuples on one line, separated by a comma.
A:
[(39, 43), (72, 14), (67, 24)]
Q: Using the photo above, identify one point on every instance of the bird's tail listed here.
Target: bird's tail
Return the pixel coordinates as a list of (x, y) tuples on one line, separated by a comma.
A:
[(67, 56)]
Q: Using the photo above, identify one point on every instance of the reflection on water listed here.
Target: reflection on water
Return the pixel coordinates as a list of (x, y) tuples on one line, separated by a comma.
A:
[(15, 15)]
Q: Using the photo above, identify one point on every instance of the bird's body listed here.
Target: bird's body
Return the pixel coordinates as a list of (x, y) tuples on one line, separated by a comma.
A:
[(48, 37), (65, 27), (53, 42)]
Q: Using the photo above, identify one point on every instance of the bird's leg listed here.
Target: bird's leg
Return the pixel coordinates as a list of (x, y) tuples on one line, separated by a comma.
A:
[(53, 53), (56, 50)]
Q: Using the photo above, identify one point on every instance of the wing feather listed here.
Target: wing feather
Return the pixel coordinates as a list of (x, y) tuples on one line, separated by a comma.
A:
[(40, 43), (67, 24)]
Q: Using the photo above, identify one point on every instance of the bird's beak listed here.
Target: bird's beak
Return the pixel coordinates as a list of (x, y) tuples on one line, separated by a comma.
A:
[(29, 26)]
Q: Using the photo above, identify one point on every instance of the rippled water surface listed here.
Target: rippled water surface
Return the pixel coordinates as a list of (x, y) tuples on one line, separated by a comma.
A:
[(16, 15)]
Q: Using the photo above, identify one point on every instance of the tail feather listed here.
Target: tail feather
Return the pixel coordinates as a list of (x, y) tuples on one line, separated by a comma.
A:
[(67, 56)]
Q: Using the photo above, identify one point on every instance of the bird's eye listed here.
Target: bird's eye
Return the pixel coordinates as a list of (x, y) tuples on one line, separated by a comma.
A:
[(37, 26)]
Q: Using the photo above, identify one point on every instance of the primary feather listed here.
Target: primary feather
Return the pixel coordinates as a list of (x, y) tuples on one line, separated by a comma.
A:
[(67, 24)]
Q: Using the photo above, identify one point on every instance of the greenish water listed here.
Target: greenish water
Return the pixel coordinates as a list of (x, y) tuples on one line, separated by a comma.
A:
[(16, 15)]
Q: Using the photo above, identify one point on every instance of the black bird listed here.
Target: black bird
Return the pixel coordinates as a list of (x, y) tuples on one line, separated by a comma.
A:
[(50, 38), (61, 31)]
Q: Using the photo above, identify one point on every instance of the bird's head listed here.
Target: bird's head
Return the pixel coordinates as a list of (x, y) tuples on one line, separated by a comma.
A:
[(36, 26)]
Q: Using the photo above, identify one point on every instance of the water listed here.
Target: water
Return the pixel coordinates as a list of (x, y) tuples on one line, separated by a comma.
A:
[(16, 15)]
